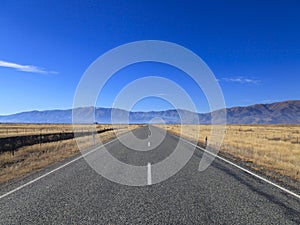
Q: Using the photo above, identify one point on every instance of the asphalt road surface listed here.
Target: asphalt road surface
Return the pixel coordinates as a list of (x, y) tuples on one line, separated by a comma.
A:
[(76, 194)]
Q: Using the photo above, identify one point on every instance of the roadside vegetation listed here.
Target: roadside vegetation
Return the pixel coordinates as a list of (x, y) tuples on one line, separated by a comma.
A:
[(35, 156), (271, 149)]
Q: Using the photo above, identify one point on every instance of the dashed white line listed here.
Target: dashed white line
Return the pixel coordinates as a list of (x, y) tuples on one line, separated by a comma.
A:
[(149, 178), (148, 143)]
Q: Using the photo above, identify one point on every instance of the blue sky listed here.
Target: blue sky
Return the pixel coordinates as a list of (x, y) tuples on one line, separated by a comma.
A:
[(252, 47)]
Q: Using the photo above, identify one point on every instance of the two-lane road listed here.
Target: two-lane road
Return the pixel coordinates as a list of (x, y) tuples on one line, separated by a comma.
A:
[(76, 194)]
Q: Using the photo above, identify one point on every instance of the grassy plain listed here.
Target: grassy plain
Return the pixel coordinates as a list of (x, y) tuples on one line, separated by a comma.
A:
[(12, 129), (272, 149), (34, 157)]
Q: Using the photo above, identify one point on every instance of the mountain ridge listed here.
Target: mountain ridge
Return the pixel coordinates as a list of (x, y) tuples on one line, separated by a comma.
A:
[(285, 112)]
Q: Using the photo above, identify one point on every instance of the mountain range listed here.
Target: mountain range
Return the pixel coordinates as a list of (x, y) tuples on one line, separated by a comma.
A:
[(287, 112)]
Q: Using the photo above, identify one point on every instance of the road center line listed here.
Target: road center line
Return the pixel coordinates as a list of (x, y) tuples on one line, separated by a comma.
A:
[(149, 178)]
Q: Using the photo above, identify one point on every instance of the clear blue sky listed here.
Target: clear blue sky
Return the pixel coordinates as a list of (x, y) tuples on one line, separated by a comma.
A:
[(252, 47)]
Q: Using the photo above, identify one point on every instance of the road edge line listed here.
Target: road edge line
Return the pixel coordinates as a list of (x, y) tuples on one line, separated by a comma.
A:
[(240, 167), (56, 169)]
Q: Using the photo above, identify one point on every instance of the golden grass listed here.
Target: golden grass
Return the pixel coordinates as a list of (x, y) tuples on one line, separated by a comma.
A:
[(31, 158), (12, 129), (273, 148)]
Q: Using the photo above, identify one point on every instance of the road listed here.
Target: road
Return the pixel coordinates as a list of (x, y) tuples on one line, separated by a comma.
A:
[(76, 194)]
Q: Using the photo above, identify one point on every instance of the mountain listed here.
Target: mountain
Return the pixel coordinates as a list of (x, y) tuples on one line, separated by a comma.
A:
[(287, 112)]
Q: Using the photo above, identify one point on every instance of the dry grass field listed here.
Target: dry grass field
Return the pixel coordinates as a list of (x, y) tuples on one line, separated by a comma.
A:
[(272, 149), (12, 130), (34, 157)]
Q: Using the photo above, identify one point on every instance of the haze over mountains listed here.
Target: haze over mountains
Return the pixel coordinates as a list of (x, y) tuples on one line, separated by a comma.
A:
[(287, 112)]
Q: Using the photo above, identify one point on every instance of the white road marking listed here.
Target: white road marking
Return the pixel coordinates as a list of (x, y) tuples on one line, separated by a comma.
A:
[(52, 171), (245, 170), (148, 143), (149, 178)]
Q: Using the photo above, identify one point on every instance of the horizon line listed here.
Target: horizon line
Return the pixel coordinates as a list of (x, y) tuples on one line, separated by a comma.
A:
[(136, 111)]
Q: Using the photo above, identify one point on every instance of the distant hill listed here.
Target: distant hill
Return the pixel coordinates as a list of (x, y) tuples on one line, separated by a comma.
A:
[(287, 112)]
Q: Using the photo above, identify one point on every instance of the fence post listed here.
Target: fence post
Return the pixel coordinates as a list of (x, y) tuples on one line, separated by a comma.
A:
[(40, 137)]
